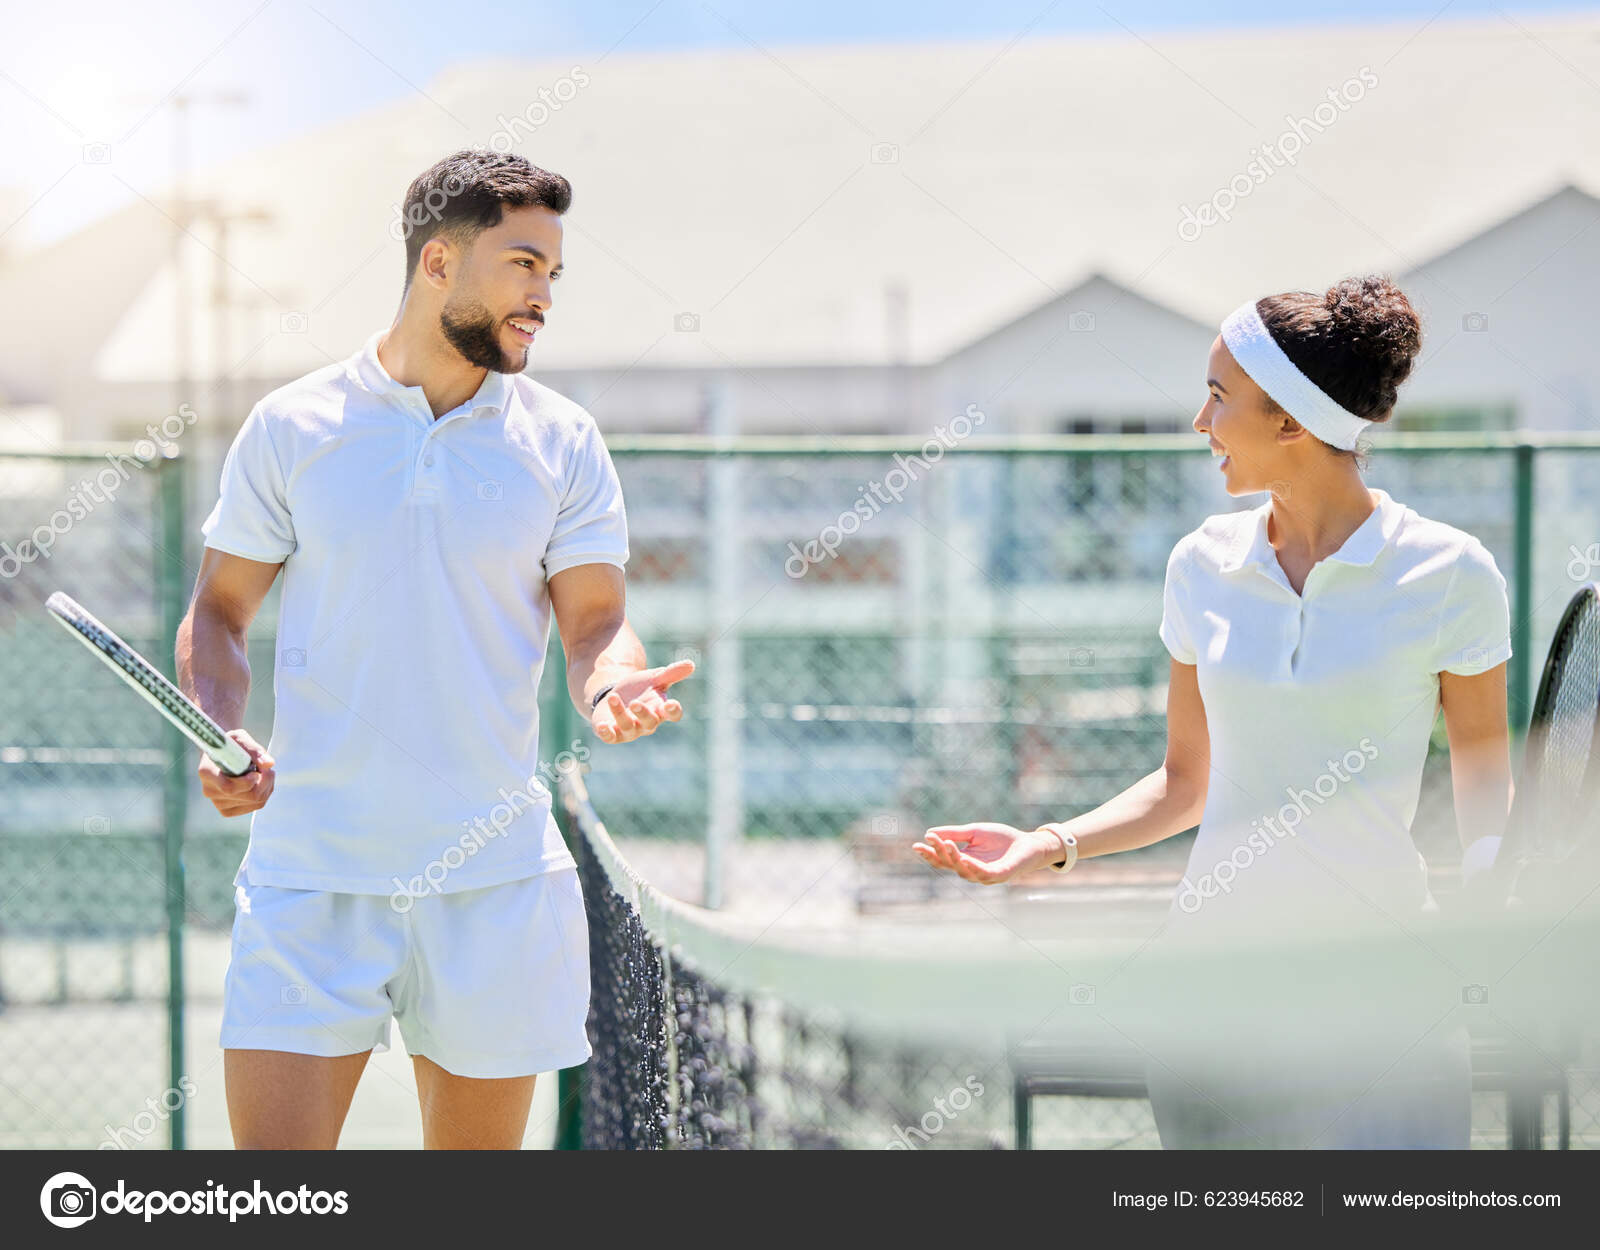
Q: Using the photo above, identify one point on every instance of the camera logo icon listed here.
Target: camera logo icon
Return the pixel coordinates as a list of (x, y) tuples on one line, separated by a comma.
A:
[(1475, 323), (292, 323), (1080, 322), (1583, 562), (294, 657), (95, 825), (885, 826), (1081, 996), (1475, 995), (67, 1200), (490, 491), (292, 995), (884, 154), (1081, 657), (686, 323), (97, 154)]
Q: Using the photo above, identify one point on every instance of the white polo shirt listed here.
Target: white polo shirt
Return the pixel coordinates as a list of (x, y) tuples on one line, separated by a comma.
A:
[(414, 619), (1320, 706)]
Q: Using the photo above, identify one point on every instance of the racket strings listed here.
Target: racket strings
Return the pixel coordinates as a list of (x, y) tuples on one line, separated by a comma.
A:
[(158, 685), (1563, 729), (110, 648)]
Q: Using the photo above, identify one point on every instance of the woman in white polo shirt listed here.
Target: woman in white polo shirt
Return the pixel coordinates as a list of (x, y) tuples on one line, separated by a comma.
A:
[(1313, 640)]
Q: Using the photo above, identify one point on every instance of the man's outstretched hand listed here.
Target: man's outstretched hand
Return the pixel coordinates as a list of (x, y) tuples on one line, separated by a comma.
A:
[(639, 704)]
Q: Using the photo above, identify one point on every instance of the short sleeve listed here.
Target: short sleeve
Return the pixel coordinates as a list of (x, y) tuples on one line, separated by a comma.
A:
[(1174, 598), (1475, 618), (251, 517), (591, 527)]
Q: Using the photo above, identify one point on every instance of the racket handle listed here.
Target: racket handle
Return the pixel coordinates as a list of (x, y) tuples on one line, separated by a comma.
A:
[(233, 759)]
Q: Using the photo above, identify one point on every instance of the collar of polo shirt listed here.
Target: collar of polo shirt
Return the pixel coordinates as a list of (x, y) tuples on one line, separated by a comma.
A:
[(371, 374), (1252, 549)]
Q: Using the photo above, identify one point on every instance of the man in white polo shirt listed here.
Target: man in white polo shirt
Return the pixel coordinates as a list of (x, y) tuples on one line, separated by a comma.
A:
[(429, 506)]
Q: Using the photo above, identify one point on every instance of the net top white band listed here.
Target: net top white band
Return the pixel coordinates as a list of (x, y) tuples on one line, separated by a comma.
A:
[(1260, 356)]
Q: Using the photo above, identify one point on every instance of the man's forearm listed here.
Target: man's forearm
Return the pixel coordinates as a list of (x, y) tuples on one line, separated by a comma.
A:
[(214, 668), (599, 659)]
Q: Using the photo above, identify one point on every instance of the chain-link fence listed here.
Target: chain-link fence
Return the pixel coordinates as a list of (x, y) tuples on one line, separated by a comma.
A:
[(91, 794), (715, 1033), (889, 640), (888, 636)]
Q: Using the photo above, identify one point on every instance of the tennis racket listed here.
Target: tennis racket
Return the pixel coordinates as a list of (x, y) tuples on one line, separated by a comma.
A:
[(1553, 836), (155, 689)]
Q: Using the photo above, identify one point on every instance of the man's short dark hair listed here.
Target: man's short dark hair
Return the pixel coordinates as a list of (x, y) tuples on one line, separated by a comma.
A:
[(466, 193)]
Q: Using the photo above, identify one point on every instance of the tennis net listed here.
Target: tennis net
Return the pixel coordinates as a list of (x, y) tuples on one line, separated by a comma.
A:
[(713, 1032)]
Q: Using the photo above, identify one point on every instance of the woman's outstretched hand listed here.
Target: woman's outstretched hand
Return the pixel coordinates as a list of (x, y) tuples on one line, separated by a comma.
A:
[(987, 852)]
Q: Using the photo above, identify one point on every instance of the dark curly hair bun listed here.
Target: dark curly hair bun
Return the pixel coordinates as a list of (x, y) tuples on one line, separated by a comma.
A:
[(1357, 341)]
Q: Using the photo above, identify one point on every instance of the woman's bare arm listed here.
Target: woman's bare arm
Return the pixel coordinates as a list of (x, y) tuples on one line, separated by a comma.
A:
[(1157, 806), (1480, 759), (1167, 801)]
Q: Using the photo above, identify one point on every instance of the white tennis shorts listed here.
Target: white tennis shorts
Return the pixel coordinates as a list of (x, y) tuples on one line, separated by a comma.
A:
[(492, 982)]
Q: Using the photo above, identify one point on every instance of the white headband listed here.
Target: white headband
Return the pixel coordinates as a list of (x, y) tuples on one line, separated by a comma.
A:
[(1260, 356)]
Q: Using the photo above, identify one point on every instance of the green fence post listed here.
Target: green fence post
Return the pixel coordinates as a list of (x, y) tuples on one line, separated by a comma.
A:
[(1522, 605), (558, 729), (172, 576)]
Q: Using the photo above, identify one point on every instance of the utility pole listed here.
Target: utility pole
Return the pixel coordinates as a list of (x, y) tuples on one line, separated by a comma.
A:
[(217, 430), (180, 228), (186, 212)]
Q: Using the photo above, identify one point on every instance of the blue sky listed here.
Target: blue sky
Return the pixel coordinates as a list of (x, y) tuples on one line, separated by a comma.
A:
[(92, 73)]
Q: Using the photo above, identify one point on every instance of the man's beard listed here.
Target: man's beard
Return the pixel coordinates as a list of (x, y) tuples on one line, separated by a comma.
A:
[(473, 331)]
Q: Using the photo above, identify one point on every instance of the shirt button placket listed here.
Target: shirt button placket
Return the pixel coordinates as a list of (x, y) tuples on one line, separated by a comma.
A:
[(1299, 626), (421, 454), (425, 459)]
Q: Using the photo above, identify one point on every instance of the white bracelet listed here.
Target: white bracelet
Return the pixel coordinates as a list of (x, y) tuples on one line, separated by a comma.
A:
[(1069, 847)]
